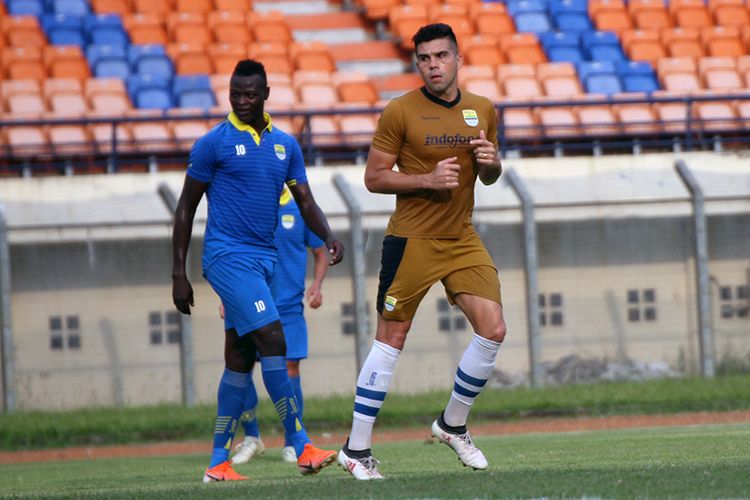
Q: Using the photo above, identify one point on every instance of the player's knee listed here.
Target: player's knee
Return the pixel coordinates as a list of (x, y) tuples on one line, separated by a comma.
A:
[(270, 340), (237, 361), (497, 333)]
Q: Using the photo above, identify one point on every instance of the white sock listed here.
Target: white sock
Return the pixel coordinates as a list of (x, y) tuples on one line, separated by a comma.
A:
[(372, 387), (472, 374)]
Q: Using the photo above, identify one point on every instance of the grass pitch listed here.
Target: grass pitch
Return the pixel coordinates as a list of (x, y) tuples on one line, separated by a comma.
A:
[(676, 462)]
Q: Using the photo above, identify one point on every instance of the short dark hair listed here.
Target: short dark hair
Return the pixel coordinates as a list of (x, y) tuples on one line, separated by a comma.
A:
[(249, 67), (432, 32)]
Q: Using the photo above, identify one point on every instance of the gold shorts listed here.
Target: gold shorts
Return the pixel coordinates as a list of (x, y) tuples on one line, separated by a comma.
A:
[(410, 266)]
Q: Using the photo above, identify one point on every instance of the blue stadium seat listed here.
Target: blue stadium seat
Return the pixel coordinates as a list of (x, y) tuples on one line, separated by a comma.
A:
[(570, 15), (193, 91), (150, 60), (106, 29), (73, 7), (637, 76), (25, 7), (107, 61), (532, 22), (599, 77), (147, 91), (562, 46), (64, 29), (519, 6), (602, 46)]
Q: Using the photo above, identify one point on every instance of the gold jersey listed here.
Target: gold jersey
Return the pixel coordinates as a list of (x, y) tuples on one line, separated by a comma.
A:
[(421, 130)]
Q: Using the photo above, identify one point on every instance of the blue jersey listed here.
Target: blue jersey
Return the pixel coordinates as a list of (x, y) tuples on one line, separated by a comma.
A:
[(293, 238), (245, 173)]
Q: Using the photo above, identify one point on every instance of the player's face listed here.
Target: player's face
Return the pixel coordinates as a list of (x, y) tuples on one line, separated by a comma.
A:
[(438, 62), (247, 95)]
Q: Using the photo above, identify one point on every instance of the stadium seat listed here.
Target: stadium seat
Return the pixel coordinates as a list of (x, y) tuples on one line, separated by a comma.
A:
[(26, 7), (52, 86), (682, 42), (562, 46), (518, 123), (721, 41), (454, 14), (476, 72), (486, 87), (273, 55), (597, 121), (70, 139), (228, 26), (602, 46), (186, 131), (678, 74), (690, 13), (558, 122), (193, 91), (105, 29), (226, 55), (150, 59), (11, 87), (720, 73), (73, 7), (22, 31), (354, 87), (519, 81), (482, 49), (188, 27), (405, 20), (609, 15), (147, 91), (522, 48), (21, 63), (356, 129), (26, 141), (20, 104), (65, 61), (491, 18), (162, 7), (108, 61), (269, 26), (716, 116), (146, 28), (202, 6), (190, 58), (637, 76), (558, 80), (530, 16), (111, 6), (150, 136), (390, 86), (377, 10), (282, 96), (107, 95), (101, 133), (642, 45), (325, 129), (730, 14), (570, 15), (649, 14), (313, 56), (637, 119), (64, 29), (318, 94), (599, 77)]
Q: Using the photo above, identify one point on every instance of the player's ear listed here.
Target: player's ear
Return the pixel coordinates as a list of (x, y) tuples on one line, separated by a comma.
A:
[(268, 93), (459, 60)]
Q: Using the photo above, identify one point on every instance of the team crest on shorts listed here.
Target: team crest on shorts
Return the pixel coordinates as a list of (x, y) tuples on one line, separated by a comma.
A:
[(390, 303), (280, 151), (470, 117), (287, 220)]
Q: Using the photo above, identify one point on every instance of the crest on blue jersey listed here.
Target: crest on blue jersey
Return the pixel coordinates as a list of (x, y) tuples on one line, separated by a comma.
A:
[(470, 117), (287, 220), (280, 151)]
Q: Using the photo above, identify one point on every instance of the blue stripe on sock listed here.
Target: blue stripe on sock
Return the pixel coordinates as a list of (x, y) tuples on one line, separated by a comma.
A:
[(367, 393), (366, 410), (478, 382), (269, 363), (459, 389)]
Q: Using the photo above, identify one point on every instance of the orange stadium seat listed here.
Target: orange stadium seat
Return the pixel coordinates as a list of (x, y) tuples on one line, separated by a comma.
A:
[(729, 13), (743, 68), (146, 28), (22, 31), (324, 128), (522, 48), (193, 5), (228, 26), (269, 26), (185, 132), (111, 6), (476, 72), (354, 87), (25, 141), (26, 86), (716, 116), (104, 93), (672, 115), (491, 18), (742, 110), (722, 41), (519, 81), (397, 84), (690, 13), (678, 74), (69, 139), (190, 58), (313, 56), (519, 123), (597, 120), (162, 7), (405, 20), (65, 96), (455, 15), (151, 136), (19, 104), (220, 86), (377, 10), (243, 5), (482, 49), (101, 133), (188, 27), (356, 129), (52, 86), (273, 55), (226, 55), (558, 122), (66, 61), (720, 73), (682, 42), (559, 79), (637, 119), (643, 45), (487, 87), (23, 63), (649, 14), (282, 96), (319, 94), (609, 15)]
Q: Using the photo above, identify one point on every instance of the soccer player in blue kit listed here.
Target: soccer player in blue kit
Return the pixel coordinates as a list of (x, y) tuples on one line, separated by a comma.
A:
[(293, 239), (241, 165)]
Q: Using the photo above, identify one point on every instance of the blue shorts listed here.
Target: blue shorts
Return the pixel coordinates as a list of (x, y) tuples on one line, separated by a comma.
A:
[(295, 333), (242, 285)]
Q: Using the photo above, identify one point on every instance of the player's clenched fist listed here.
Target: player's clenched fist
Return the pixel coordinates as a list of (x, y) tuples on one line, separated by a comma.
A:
[(445, 175)]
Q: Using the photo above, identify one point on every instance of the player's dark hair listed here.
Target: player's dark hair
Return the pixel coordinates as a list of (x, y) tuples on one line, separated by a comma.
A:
[(432, 32), (249, 67)]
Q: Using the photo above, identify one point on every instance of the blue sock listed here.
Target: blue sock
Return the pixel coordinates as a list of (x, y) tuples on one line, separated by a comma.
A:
[(231, 399), (249, 419), (276, 379), (297, 387)]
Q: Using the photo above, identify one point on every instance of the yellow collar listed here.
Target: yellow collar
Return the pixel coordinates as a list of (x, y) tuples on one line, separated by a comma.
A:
[(244, 127)]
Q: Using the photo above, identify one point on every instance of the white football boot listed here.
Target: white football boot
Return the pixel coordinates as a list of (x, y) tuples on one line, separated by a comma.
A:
[(288, 454), (468, 454), (247, 449), (363, 469)]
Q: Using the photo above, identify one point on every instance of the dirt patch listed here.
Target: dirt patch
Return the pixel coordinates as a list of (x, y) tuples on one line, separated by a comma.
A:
[(334, 440)]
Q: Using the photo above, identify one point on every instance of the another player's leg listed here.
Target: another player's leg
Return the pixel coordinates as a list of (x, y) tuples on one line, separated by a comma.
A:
[(372, 387), (472, 374), (272, 349), (252, 445), (231, 401), (288, 453)]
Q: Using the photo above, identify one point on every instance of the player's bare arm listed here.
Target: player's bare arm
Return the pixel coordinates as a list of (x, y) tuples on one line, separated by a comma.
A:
[(313, 294), (487, 159), (316, 221), (381, 178), (182, 290)]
